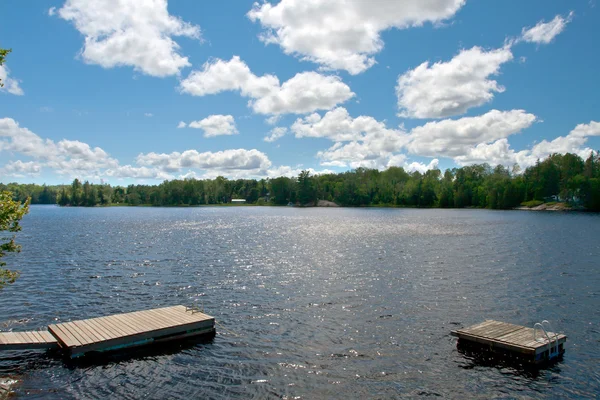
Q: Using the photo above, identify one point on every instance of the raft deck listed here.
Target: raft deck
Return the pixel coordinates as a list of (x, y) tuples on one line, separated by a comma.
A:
[(508, 339), (114, 332)]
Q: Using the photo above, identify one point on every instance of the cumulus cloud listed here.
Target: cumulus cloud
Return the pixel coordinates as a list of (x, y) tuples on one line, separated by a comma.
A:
[(148, 115), (69, 157), (276, 133), (452, 138), (21, 169), (136, 33), (11, 85), (291, 172), (545, 32), (303, 93), (500, 152), (343, 34), (77, 159), (216, 125), (128, 171), (450, 88), (361, 141), (241, 159), (273, 119), (421, 167), (181, 125)]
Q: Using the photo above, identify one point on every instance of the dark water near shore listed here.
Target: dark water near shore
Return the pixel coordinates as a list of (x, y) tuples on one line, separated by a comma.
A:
[(312, 303)]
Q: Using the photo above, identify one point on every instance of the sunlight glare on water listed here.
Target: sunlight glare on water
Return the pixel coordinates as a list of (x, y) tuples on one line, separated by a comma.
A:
[(311, 303)]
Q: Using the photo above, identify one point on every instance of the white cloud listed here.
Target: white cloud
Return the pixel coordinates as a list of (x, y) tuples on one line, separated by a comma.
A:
[(303, 93), (500, 152), (276, 133), (292, 172), (496, 153), (148, 115), (343, 34), (339, 164), (452, 138), (127, 171), (338, 126), (545, 32), (584, 130), (273, 120), (373, 152), (219, 75), (136, 33), (181, 125), (21, 169), (450, 88), (421, 167), (78, 159), (241, 159), (68, 157), (216, 125), (371, 143), (273, 172), (11, 85)]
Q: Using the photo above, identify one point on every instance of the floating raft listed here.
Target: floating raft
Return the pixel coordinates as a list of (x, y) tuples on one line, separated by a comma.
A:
[(513, 340), (114, 332)]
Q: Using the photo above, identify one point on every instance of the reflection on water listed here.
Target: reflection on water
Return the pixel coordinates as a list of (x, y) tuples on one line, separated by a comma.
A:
[(312, 303)]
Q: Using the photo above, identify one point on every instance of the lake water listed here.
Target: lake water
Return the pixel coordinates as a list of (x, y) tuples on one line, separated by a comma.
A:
[(310, 303)]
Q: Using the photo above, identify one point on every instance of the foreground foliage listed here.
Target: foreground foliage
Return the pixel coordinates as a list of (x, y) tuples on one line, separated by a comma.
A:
[(3, 54), (11, 212), (565, 178)]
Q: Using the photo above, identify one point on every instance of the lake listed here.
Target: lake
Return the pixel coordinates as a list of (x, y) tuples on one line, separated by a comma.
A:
[(310, 303)]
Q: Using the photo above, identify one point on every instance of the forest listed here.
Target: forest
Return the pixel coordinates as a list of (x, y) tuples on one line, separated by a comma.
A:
[(565, 178)]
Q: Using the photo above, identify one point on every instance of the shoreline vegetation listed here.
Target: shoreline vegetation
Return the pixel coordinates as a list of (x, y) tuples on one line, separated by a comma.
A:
[(558, 183)]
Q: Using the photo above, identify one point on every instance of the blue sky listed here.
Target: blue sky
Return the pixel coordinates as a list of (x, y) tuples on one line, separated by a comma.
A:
[(142, 91)]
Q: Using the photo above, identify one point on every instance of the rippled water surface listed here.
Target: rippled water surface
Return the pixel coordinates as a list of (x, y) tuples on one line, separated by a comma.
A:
[(311, 303)]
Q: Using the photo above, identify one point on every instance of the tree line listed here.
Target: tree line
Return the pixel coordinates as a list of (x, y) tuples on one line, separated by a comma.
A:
[(559, 177)]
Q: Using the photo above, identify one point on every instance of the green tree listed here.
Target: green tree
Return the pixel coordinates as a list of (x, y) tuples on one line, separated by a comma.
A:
[(3, 54), (11, 212), (306, 188), (76, 192), (280, 190)]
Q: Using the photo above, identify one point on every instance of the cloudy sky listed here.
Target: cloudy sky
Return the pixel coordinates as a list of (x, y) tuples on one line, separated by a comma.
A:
[(145, 90)]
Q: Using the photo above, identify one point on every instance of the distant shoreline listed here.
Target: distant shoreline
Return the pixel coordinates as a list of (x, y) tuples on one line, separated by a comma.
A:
[(542, 207)]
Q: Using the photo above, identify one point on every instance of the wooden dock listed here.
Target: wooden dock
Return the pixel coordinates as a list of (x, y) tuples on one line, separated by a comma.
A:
[(114, 332), (513, 340), (27, 340)]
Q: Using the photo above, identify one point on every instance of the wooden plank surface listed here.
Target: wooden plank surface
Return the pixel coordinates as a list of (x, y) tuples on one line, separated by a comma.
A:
[(114, 331), (120, 329), (27, 340), (505, 335)]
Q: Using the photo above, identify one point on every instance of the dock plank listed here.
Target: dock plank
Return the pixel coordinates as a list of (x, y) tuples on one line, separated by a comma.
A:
[(76, 333), (498, 330), (110, 325), (516, 336), (165, 315), (146, 320), (127, 321), (92, 334), (64, 336), (39, 337), (31, 337), (114, 332), (106, 334), (26, 340)]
